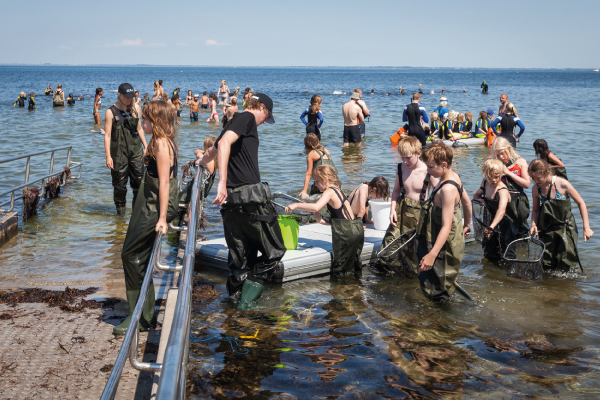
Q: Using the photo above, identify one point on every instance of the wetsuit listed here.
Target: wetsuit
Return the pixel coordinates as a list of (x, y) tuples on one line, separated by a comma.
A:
[(408, 212), (438, 282), (20, 101), (71, 101), (315, 121), (126, 151), (347, 239), (508, 124), (557, 229), (31, 103), (483, 125), (413, 113)]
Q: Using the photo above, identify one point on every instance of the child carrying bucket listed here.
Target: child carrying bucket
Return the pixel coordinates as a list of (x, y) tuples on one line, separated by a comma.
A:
[(348, 234)]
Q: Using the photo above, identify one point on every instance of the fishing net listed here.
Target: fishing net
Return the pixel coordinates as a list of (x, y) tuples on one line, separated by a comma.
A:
[(281, 200), (482, 218), (523, 258), (459, 145), (401, 241), (391, 253)]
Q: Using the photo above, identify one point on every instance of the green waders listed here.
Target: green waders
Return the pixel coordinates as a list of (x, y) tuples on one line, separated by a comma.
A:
[(408, 212), (250, 226), (438, 282), (494, 245), (519, 207), (126, 150), (558, 231), (347, 240), (138, 245), (321, 161)]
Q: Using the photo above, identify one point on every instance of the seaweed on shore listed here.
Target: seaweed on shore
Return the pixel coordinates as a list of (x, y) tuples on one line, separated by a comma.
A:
[(70, 300), (66, 174), (31, 202), (52, 188)]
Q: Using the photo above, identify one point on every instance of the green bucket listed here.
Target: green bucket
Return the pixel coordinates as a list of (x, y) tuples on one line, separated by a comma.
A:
[(289, 225)]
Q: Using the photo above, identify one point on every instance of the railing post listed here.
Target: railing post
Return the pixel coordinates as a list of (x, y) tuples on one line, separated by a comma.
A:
[(27, 169), (51, 163), (69, 158)]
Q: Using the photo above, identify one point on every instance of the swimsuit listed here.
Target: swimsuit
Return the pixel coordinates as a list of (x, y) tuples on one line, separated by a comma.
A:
[(194, 117), (352, 134)]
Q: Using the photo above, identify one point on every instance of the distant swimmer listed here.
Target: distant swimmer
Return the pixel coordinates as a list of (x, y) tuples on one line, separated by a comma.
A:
[(314, 115), (97, 106), (224, 92), (146, 98), (21, 100), (80, 98), (194, 108), (443, 90), (71, 100), (177, 106), (484, 87), (247, 94), (352, 117), (176, 92), (189, 98), (388, 93), (372, 91), (214, 114), (31, 101), (402, 92), (420, 91), (49, 90), (137, 100)]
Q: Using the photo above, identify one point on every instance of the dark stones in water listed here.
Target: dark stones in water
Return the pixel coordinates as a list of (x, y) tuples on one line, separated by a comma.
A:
[(31, 202)]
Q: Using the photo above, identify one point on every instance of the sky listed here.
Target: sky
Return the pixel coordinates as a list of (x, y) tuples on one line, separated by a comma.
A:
[(346, 33)]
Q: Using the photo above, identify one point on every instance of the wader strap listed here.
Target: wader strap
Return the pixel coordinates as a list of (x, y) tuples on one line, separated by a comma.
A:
[(574, 245), (423, 189), (256, 217), (437, 189), (343, 200)]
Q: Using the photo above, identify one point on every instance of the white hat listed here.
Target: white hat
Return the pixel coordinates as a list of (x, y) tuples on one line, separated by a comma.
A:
[(196, 95)]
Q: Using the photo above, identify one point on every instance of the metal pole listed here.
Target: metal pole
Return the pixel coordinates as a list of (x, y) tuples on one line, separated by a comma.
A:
[(51, 163)]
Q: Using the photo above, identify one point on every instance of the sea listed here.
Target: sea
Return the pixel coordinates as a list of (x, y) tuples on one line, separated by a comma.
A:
[(316, 338)]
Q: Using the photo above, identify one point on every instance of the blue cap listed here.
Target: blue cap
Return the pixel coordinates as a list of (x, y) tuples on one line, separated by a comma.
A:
[(490, 111)]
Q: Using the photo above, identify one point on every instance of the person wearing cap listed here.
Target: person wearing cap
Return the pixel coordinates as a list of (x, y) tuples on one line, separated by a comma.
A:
[(441, 110), (353, 116), (124, 145), (249, 219), (194, 108)]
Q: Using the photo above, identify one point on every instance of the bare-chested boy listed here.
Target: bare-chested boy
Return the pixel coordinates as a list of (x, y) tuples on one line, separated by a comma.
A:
[(176, 105), (204, 100), (352, 117), (194, 108)]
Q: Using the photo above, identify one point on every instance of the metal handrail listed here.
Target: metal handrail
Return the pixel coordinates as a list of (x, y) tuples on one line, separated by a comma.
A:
[(51, 174), (172, 380), (129, 347)]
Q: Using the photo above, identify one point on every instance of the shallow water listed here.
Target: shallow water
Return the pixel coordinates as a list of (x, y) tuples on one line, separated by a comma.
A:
[(370, 339)]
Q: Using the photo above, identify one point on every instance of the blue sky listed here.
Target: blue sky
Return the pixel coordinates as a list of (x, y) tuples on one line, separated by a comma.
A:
[(502, 34)]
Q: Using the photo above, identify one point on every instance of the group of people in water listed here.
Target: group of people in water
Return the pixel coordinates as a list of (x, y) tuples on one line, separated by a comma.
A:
[(428, 197)]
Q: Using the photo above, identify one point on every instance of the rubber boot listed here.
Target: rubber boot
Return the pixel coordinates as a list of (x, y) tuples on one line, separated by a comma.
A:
[(132, 298), (148, 317), (251, 291), (120, 210)]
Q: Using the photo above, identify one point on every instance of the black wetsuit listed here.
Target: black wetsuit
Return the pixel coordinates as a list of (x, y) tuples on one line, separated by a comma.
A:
[(413, 113)]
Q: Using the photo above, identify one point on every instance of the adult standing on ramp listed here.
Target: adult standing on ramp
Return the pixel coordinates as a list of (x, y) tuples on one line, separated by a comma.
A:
[(124, 144), (249, 220)]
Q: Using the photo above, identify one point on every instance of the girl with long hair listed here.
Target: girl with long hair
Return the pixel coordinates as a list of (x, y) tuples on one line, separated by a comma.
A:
[(97, 106), (214, 114), (314, 116), (155, 207), (316, 155), (543, 152)]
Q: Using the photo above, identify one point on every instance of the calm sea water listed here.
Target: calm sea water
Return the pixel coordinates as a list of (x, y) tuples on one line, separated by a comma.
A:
[(378, 338)]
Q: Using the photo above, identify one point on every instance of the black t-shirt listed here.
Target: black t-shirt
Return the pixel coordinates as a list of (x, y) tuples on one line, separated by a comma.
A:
[(243, 158)]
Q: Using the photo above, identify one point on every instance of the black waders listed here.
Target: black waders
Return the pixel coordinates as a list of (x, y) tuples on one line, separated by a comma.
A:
[(347, 240), (437, 283), (518, 208), (126, 150), (138, 245), (408, 212), (558, 231), (250, 226), (495, 244)]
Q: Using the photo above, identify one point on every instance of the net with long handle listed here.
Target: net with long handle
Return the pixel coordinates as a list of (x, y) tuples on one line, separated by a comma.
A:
[(482, 218), (401, 241), (281, 200), (523, 258)]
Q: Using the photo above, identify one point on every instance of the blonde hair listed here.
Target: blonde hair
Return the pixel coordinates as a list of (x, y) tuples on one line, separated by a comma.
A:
[(434, 116), (233, 101), (208, 143), (156, 84), (461, 118), (492, 166), (22, 94), (452, 115), (443, 103), (510, 107), (130, 103), (503, 144), (409, 145), (327, 174), (469, 116)]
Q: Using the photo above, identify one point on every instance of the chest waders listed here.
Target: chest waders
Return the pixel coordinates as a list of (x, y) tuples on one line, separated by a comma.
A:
[(126, 150), (437, 284), (347, 241), (494, 245), (558, 171), (518, 210), (138, 244), (408, 212), (558, 231), (321, 161), (57, 100), (250, 226)]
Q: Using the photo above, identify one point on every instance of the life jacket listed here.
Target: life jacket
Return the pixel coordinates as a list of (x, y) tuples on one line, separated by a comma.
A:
[(447, 128), (458, 127), (482, 124), (490, 137), (435, 126)]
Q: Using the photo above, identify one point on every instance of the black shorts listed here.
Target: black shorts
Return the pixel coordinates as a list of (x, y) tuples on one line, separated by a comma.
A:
[(352, 134), (204, 106)]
